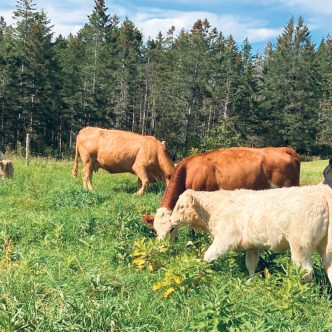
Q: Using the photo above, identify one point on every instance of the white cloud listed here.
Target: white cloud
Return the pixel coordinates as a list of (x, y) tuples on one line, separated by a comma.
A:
[(155, 20), (70, 15), (8, 16), (322, 7)]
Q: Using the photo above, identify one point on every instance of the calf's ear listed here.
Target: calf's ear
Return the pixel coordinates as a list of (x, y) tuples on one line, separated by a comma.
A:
[(192, 200), (149, 219), (330, 162)]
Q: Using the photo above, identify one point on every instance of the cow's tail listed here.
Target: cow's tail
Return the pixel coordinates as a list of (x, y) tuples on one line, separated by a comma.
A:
[(75, 165), (296, 162), (289, 150)]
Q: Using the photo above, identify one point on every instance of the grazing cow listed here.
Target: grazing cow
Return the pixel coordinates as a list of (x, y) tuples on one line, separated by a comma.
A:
[(230, 169), (297, 218), (119, 151), (328, 174), (6, 169)]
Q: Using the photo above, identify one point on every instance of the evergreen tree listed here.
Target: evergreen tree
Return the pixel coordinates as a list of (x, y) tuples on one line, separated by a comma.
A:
[(95, 70), (34, 74), (290, 92), (324, 58), (125, 95), (8, 86)]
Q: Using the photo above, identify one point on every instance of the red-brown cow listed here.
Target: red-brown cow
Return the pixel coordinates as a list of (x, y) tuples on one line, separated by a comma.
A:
[(233, 168)]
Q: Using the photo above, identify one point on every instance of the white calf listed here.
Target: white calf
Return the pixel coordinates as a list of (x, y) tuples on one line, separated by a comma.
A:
[(296, 218)]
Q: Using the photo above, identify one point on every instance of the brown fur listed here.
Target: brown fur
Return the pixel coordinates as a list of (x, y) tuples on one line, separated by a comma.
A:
[(121, 151), (233, 168), (6, 169)]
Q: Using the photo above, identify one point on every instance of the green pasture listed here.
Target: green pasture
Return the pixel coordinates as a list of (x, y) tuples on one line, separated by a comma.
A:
[(72, 260)]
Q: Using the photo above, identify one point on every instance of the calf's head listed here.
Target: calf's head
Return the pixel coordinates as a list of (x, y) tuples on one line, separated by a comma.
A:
[(161, 223), (185, 212), (328, 174)]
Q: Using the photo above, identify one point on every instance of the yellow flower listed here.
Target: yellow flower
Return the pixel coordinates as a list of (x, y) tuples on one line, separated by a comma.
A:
[(177, 280), (157, 286), (150, 267), (168, 292), (136, 252), (139, 261), (162, 249)]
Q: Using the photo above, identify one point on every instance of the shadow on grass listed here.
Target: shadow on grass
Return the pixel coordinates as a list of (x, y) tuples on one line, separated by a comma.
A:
[(130, 188)]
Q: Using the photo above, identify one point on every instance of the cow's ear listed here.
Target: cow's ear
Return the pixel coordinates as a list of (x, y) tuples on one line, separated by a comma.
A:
[(330, 162), (149, 219)]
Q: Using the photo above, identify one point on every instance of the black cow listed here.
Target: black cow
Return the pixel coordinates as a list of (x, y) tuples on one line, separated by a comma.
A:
[(328, 174)]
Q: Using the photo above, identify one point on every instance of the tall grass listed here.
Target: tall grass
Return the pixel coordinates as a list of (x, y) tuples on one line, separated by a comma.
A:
[(72, 260)]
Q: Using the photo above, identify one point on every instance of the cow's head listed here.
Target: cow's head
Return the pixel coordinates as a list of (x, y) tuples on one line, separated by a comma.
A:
[(186, 210), (328, 174)]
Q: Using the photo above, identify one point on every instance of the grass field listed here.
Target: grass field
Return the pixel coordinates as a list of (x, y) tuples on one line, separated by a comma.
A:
[(72, 260)]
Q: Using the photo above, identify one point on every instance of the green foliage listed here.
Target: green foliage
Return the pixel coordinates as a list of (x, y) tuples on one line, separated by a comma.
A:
[(223, 136), (149, 254), (67, 262), (76, 197), (197, 89), (183, 274)]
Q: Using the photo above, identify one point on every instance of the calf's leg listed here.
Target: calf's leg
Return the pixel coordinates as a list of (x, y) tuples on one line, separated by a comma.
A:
[(216, 249), (326, 255), (302, 257), (252, 257)]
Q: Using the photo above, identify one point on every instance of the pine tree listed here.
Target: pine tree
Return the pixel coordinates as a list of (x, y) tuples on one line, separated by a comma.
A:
[(96, 75), (125, 95), (8, 86), (290, 92), (35, 74), (324, 58)]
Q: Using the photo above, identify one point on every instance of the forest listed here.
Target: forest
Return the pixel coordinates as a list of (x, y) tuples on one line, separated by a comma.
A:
[(197, 90)]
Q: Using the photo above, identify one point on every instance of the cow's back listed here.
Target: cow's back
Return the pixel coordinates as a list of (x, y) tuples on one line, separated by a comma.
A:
[(227, 169), (234, 168)]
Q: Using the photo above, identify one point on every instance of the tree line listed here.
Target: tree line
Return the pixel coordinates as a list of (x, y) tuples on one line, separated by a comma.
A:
[(197, 90)]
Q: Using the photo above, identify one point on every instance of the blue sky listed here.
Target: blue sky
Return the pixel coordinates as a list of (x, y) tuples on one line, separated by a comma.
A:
[(259, 20)]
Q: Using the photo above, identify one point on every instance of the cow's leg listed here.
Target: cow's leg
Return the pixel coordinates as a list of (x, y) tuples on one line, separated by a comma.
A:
[(139, 184), (252, 257), (216, 249), (302, 257), (141, 173), (87, 174), (326, 255)]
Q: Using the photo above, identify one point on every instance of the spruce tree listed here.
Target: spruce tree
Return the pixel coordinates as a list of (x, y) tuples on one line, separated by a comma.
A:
[(291, 89)]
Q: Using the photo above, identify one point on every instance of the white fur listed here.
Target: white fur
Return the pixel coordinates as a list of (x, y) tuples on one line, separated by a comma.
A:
[(162, 222), (296, 218)]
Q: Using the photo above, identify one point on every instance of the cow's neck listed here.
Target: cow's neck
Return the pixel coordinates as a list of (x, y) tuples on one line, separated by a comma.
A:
[(175, 188)]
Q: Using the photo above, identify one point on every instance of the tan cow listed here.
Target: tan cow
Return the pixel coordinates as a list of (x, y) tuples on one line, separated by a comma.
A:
[(6, 169), (119, 151), (297, 218)]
